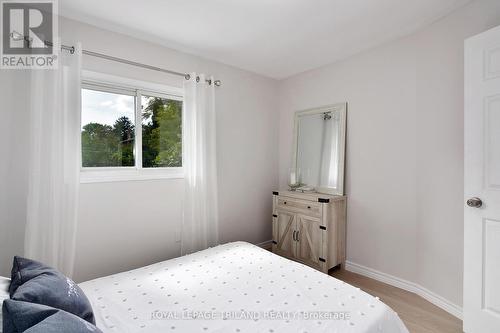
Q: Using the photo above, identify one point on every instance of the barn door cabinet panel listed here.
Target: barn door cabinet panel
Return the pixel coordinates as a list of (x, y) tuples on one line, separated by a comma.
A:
[(310, 228)]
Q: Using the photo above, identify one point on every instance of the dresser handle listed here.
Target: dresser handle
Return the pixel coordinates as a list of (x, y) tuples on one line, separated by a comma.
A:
[(284, 202), (293, 235), (308, 207), (298, 233)]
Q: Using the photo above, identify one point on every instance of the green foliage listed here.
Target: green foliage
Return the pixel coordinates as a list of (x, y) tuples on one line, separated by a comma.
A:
[(105, 146), (162, 133)]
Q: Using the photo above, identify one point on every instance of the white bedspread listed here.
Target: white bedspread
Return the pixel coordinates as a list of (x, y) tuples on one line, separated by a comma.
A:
[(236, 287)]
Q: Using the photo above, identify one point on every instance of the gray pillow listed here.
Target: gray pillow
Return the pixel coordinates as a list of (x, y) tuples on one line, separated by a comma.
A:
[(35, 282), (4, 294), (36, 318)]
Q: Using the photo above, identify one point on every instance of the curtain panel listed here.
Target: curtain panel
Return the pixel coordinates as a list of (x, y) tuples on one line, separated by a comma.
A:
[(200, 205), (54, 167)]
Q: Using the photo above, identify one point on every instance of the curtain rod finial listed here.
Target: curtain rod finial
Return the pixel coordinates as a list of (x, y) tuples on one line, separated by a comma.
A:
[(217, 83)]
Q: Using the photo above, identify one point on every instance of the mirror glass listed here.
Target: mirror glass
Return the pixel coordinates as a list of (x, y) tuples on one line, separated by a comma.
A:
[(319, 150)]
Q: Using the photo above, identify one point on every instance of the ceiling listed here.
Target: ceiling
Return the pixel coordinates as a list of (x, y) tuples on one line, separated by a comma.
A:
[(275, 38)]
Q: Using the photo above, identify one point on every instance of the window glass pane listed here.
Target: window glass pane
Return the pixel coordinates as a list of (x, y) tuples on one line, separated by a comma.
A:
[(108, 132), (161, 132)]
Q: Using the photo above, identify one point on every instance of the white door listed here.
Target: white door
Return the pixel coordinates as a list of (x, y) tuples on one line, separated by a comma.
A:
[(481, 308)]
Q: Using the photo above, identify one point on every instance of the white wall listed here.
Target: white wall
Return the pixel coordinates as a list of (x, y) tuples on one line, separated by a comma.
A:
[(111, 239), (379, 180), (404, 147), (124, 225)]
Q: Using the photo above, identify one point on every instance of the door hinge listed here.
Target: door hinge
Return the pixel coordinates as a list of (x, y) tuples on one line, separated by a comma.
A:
[(322, 260), (323, 200), (322, 227), (274, 215), (275, 193)]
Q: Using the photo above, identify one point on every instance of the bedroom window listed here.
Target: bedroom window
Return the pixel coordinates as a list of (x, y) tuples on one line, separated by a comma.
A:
[(108, 129), (130, 130)]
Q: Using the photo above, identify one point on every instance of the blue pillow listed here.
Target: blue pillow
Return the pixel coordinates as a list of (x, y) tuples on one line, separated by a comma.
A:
[(35, 318), (37, 283)]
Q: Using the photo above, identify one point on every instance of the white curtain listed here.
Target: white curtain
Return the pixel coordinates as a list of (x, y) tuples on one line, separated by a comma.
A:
[(200, 212), (329, 168), (54, 163)]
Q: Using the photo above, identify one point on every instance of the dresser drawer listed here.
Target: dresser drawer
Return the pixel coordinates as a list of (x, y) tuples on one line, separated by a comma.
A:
[(299, 206)]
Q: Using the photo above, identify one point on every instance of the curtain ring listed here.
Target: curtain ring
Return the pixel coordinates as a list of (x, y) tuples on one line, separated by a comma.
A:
[(187, 77), (209, 82), (197, 79), (72, 50)]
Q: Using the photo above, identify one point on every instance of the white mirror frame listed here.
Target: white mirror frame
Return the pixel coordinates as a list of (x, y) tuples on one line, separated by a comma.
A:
[(341, 108)]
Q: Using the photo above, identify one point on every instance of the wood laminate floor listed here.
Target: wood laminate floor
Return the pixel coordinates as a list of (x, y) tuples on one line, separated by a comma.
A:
[(419, 315)]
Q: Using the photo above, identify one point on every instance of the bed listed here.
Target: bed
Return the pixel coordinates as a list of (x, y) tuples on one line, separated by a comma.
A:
[(236, 287)]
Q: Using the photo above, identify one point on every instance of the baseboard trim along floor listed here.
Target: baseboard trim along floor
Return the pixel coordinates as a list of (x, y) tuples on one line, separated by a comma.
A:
[(267, 245), (426, 294)]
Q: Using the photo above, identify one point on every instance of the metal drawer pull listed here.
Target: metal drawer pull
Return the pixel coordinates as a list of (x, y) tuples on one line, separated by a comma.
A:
[(284, 202), (298, 239), (308, 207), (293, 235)]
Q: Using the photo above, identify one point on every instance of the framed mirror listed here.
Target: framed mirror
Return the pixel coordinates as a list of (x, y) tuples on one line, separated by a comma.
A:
[(319, 150)]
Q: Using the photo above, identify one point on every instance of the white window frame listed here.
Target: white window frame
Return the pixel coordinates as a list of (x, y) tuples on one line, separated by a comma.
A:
[(136, 88)]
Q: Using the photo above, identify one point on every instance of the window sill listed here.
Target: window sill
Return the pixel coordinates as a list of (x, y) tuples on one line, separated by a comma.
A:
[(108, 175)]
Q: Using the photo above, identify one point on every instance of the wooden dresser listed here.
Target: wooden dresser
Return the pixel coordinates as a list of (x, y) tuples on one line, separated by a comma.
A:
[(310, 228)]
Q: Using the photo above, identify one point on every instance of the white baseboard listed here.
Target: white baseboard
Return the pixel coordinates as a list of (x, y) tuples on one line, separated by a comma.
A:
[(265, 245), (430, 296)]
